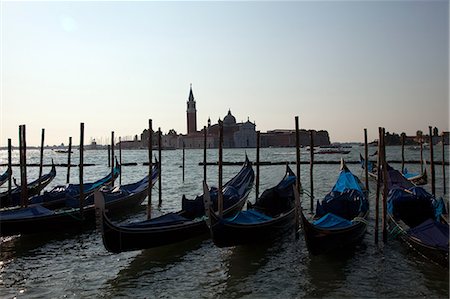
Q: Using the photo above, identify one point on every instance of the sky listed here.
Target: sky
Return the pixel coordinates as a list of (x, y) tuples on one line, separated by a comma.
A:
[(340, 66)]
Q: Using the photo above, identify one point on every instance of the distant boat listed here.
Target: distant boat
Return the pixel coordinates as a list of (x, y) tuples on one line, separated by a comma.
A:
[(333, 151), (60, 151), (415, 178)]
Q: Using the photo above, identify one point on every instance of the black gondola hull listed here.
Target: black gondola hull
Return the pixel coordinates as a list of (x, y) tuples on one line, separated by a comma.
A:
[(229, 234), (434, 254), (321, 241), (67, 220)]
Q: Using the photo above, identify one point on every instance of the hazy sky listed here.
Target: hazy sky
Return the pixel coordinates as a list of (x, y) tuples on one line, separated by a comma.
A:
[(340, 66)]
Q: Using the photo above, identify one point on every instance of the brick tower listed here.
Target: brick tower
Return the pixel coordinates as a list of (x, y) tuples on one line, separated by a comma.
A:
[(191, 114)]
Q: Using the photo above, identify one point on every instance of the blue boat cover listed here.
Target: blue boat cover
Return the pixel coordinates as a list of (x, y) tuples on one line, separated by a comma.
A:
[(414, 205), (29, 212), (346, 199), (166, 219), (248, 217), (431, 233), (330, 221), (347, 181)]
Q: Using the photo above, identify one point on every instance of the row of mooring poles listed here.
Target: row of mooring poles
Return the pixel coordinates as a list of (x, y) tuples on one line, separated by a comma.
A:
[(381, 177)]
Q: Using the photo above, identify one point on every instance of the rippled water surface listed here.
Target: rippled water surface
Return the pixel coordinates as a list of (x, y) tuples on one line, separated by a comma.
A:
[(77, 265)]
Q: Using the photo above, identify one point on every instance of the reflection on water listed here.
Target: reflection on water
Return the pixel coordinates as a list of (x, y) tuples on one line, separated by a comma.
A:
[(77, 264)]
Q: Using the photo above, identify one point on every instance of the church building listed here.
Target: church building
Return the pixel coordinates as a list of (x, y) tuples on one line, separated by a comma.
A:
[(236, 135)]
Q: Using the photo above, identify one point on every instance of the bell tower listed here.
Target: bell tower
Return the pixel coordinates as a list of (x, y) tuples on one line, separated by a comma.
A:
[(191, 114)]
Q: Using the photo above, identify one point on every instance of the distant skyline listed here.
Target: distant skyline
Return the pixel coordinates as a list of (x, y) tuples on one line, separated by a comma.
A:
[(340, 66)]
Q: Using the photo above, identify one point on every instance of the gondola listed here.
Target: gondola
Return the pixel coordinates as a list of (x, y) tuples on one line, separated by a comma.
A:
[(415, 216), (175, 227), (38, 219), (60, 195), (33, 189), (340, 220), (272, 214), (415, 178), (5, 176)]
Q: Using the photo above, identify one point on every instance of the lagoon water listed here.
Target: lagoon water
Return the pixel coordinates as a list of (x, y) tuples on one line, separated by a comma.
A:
[(77, 265)]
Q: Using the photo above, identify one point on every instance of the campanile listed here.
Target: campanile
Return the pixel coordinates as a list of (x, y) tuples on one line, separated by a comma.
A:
[(191, 114)]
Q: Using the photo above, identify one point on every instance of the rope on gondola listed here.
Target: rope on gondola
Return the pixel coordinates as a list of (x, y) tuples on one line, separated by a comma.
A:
[(396, 231), (360, 219), (73, 216)]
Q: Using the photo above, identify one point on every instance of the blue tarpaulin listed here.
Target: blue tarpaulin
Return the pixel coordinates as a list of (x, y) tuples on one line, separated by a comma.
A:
[(331, 221), (248, 217)]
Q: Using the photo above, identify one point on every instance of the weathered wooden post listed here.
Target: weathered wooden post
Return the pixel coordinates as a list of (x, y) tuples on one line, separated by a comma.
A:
[(204, 153), (366, 160), (23, 181), (433, 173), (41, 159), (112, 159), (68, 160), (385, 188), (10, 170), (150, 166), (443, 163), (297, 152), (421, 155), (258, 139), (109, 155), (403, 151), (81, 169), (311, 165), (379, 176), (184, 146), (159, 166), (220, 195), (120, 161)]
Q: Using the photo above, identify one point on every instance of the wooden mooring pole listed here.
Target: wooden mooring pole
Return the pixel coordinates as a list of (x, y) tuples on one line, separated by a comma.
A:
[(366, 160), (421, 155), (184, 156), (258, 140), (297, 152), (403, 135), (120, 161), (10, 170), (443, 163), (23, 171), (81, 150), (109, 155), (150, 166), (311, 166), (379, 176), (297, 188), (159, 166), (112, 159), (433, 173), (220, 197), (385, 186), (68, 160), (204, 153), (41, 159)]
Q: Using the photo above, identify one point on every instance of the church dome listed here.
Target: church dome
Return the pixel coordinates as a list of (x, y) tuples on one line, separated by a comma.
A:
[(229, 119)]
